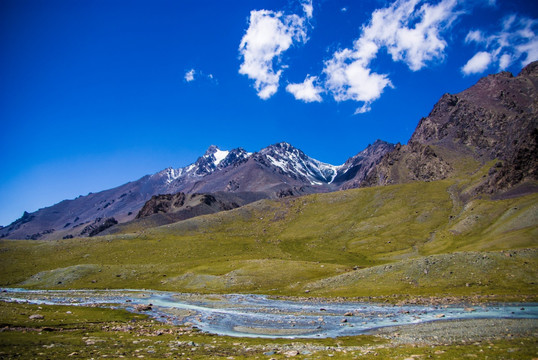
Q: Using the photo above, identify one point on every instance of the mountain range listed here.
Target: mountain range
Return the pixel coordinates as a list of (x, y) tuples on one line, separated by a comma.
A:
[(235, 177), (493, 123)]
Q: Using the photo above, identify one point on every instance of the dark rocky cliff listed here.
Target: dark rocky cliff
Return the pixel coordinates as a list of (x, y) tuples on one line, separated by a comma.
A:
[(357, 168), (495, 119)]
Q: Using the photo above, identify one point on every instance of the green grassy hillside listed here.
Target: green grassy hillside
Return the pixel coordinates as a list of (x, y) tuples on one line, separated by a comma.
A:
[(410, 239)]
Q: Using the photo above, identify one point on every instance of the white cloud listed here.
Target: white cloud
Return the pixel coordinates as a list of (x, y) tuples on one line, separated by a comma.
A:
[(505, 61), (352, 80), (530, 49), (409, 33), (477, 64), (189, 75), (308, 8), (269, 34), (306, 91), (474, 36), (412, 34), (198, 75), (517, 40)]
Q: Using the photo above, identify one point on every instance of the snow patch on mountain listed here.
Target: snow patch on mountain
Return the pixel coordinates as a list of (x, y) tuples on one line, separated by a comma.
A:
[(169, 174), (172, 174), (293, 162), (328, 171), (219, 156)]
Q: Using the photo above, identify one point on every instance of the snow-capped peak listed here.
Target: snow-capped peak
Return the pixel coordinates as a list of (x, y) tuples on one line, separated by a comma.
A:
[(287, 160), (219, 156), (215, 155), (294, 162), (212, 160)]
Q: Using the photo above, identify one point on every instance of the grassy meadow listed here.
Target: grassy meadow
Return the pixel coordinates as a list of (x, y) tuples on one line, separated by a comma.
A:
[(414, 239)]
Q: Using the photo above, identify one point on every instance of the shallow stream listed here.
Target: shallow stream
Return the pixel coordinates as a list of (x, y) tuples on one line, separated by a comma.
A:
[(261, 316)]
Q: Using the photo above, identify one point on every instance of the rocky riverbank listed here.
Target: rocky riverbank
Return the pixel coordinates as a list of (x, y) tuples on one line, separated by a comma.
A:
[(33, 331), (459, 331)]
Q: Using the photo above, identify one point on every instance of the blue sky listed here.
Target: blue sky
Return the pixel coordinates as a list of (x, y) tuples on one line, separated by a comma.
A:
[(96, 93)]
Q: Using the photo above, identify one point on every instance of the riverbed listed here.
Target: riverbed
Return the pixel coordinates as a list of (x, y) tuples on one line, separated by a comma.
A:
[(245, 315)]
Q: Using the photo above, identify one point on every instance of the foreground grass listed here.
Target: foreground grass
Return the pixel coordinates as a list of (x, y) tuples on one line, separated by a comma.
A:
[(82, 332), (415, 239)]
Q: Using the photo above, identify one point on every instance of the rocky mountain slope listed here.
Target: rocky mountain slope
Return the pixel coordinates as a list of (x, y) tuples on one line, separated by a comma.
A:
[(174, 203), (169, 208), (357, 168), (495, 119), (276, 171)]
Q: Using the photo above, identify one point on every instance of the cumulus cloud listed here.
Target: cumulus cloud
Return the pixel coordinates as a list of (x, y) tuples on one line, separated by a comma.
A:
[(269, 34), (306, 91), (409, 32), (517, 40), (477, 64), (350, 79), (308, 8), (189, 75)]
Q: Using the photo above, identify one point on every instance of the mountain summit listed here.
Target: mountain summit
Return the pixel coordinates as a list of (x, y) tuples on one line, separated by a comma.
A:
[(297, 165), (213, 159), (496, 119)]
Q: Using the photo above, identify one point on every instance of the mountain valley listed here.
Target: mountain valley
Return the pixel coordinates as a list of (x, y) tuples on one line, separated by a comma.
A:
[(269, 180), (279, 222)]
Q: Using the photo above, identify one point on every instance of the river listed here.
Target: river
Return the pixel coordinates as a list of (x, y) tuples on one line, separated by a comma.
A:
[(244, 315)]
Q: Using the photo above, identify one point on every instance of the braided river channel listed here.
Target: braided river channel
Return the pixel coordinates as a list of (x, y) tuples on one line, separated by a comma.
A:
[(244, 315)]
